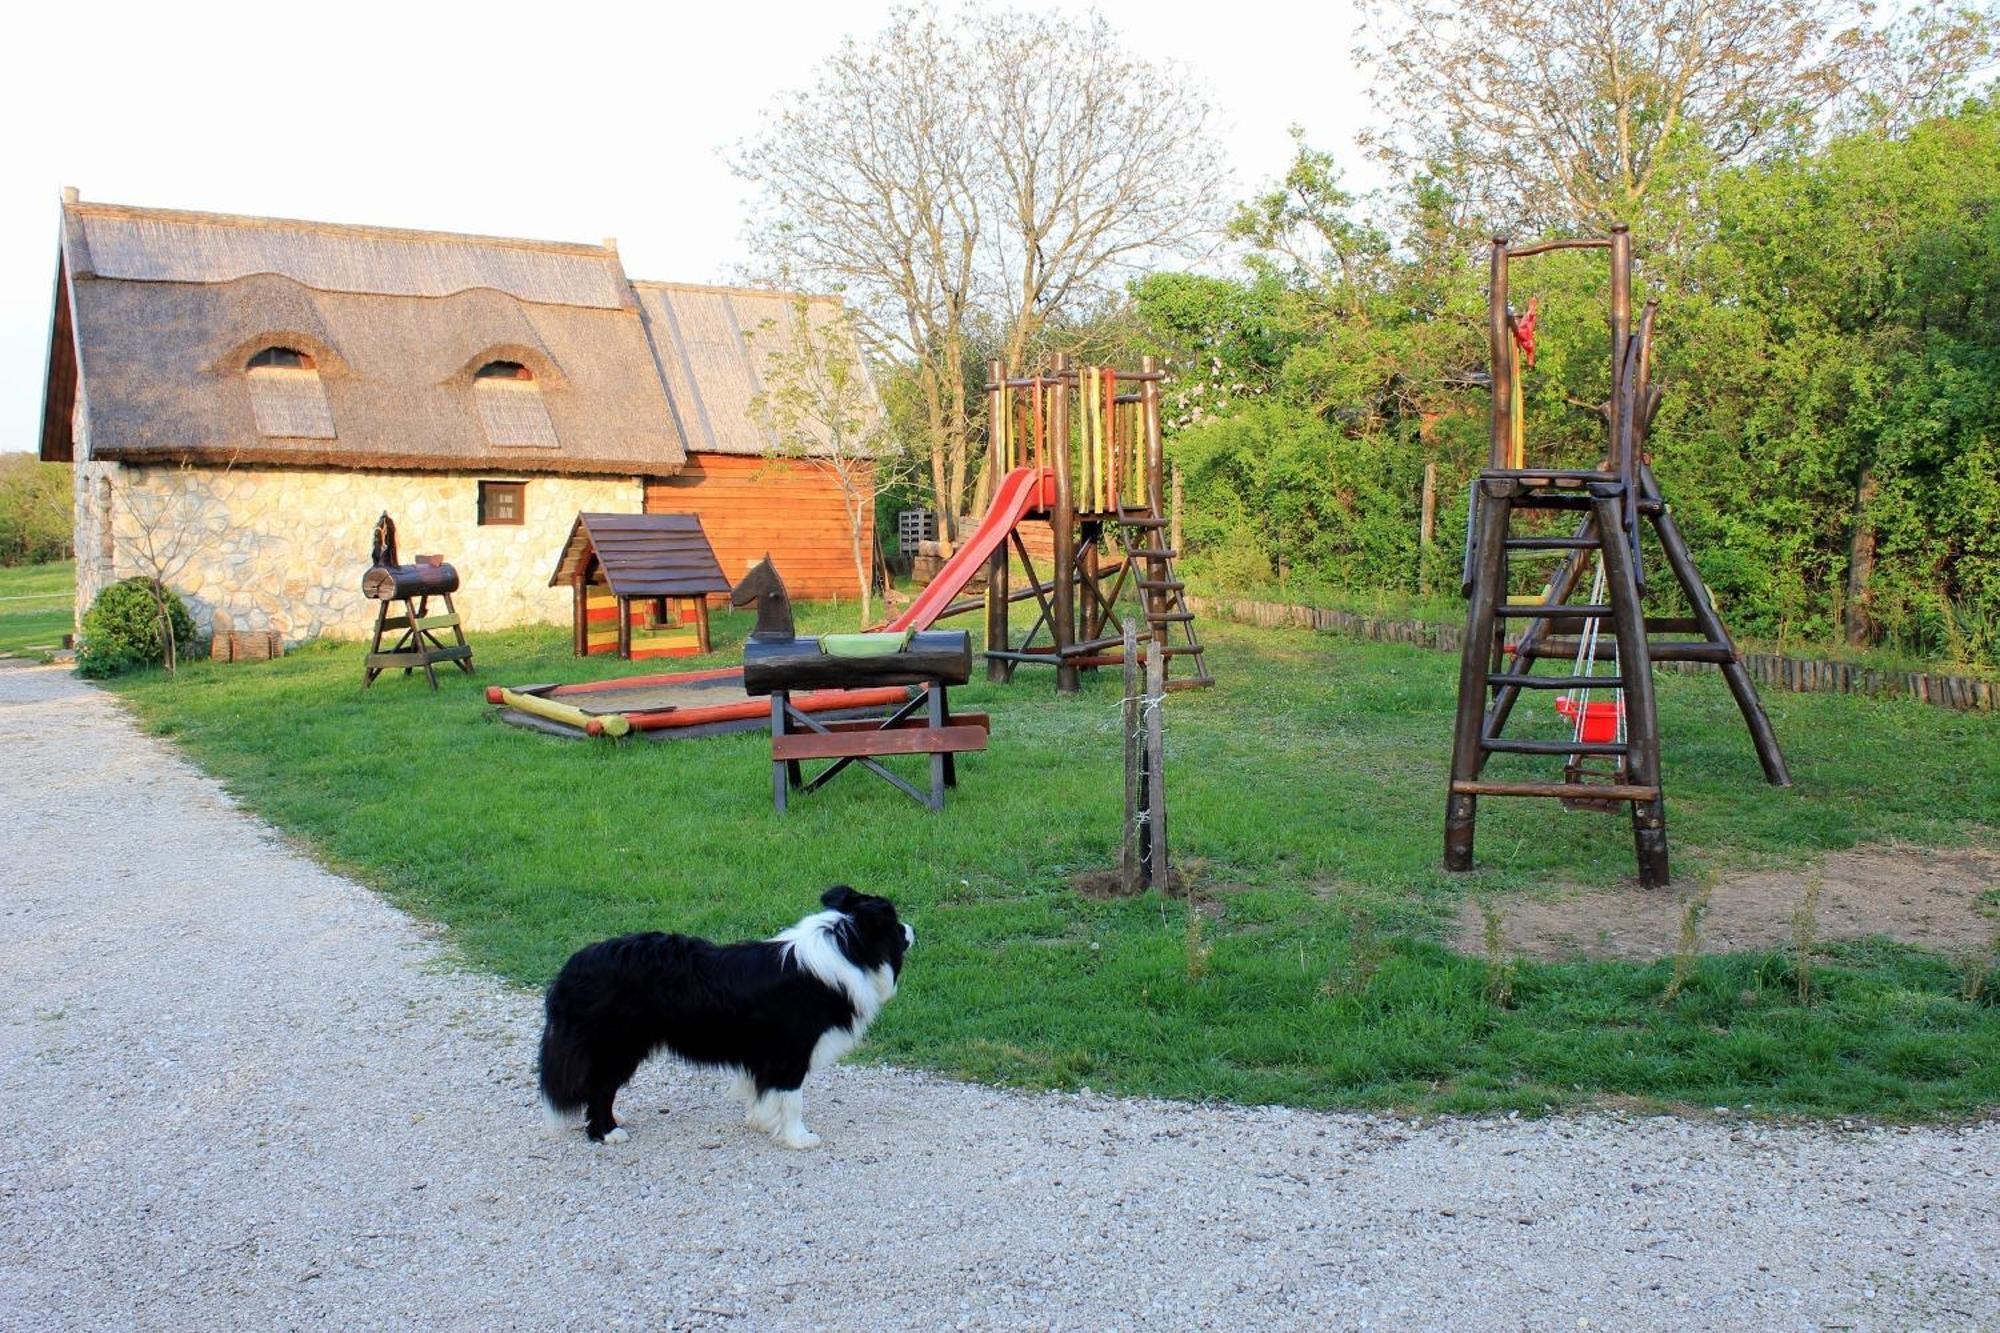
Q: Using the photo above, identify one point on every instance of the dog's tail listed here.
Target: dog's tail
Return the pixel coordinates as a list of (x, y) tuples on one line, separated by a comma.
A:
[(562, 1070)]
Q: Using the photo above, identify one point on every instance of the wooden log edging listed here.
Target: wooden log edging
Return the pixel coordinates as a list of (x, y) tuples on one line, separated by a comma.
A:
[(1770, 670)]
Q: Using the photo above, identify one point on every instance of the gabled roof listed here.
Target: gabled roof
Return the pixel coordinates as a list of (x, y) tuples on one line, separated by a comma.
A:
[(168, 306), (714, 346), (643, 555)]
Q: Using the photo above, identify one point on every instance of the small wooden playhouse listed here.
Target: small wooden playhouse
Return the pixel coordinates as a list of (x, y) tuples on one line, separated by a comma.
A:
[(640, 584)]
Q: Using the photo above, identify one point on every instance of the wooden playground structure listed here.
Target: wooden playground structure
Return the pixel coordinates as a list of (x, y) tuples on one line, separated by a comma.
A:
[(1612, 754), (779, 662), (419, 631), (1088, 440), (639, 584)]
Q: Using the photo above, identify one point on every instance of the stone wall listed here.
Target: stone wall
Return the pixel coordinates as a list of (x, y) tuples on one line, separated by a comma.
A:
[(263, 548)]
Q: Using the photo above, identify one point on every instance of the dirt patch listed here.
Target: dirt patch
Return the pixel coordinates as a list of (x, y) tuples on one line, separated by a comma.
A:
[(1111, 884), (1939, 900)]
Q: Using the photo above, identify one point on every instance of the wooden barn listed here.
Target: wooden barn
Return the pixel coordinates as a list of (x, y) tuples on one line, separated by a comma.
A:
[(266, 387), (639, 584), (711, 342)]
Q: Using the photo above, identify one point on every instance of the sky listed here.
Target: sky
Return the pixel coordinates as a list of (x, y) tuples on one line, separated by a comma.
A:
[(557, 123)]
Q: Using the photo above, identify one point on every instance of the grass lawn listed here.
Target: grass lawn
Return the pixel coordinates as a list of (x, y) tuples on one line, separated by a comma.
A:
[(35, 608), (1308, 787)]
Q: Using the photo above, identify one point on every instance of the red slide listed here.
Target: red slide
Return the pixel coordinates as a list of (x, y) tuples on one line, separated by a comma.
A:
[(1018, 492)]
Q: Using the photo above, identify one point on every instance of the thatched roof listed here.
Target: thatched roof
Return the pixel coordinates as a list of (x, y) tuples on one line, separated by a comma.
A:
[(168, 308), (643, 555), (714, 346)]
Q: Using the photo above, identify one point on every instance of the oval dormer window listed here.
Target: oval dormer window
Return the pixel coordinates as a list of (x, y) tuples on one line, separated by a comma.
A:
[(286, 395), (511, 408)]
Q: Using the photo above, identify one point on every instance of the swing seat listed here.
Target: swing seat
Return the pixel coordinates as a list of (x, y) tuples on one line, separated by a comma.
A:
[(1600, 720)]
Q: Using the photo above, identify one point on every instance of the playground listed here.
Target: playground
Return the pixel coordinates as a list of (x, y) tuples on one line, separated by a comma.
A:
[(1312, 963)]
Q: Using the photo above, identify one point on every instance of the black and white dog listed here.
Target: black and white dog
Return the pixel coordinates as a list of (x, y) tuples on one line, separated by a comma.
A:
[(773, 1010)]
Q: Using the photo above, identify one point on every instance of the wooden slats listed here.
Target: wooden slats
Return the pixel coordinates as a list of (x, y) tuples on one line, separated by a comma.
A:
[(1611, 791), (750, 507), (900, 740)]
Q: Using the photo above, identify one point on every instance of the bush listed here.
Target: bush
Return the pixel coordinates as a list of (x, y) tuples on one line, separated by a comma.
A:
[(122, 629)]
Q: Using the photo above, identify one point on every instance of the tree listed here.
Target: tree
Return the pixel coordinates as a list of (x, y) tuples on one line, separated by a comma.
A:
[(1575, 113), (820, 407), (36, 503), (164, 529), (1098, 160), (985, 170)]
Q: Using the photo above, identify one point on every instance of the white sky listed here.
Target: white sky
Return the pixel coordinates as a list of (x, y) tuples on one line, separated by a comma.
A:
[(546, 121)]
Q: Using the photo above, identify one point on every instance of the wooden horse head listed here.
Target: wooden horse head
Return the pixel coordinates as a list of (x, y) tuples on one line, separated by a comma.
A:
[(383, 550), (774, 609)]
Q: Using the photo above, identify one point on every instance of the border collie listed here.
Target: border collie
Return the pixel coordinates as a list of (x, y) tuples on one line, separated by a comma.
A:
[(772, 1010)]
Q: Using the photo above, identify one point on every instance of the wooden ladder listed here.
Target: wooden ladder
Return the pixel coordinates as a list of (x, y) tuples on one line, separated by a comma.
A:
[(1490, 684), (1162, 594)]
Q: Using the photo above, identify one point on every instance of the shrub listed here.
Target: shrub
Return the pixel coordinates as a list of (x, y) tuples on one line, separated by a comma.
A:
[(122, 629)]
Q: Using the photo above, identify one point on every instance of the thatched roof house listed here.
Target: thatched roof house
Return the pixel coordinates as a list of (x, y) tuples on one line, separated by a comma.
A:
[(278, 383)]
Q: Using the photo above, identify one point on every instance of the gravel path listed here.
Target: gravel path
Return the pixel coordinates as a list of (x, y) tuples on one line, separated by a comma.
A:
[(238, 1089)]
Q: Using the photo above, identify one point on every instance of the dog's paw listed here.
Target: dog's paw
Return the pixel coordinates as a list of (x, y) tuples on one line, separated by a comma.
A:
[(617, 1135), (800, 1139)]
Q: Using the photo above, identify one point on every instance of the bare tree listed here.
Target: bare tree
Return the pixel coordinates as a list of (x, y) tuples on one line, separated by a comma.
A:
[(165, 528), (1573, 113), (820, 406), (1099, 161), (959, 172), (866, 185)]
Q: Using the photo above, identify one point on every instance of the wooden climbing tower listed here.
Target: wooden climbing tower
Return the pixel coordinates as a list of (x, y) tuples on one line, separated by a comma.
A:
[(1093, 434), (1612, 752)]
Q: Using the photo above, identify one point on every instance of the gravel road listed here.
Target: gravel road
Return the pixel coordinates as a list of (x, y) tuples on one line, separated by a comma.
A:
[(238, 1090)]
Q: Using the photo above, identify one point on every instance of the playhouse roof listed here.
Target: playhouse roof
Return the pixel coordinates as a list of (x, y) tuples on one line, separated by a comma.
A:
[(643, 555), (169, 307)]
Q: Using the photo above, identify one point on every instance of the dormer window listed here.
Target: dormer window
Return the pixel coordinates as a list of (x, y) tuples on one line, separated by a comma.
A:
[(511, 407), (286, 395)]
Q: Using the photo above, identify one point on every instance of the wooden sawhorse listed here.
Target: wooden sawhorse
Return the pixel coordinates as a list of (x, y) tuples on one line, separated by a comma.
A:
[(923, 725)]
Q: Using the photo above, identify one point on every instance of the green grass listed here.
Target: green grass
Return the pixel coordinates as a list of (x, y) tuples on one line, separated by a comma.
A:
[(1308, 787), (35, 609)]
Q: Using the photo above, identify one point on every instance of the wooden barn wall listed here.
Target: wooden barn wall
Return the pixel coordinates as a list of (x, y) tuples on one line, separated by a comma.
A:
[(750, 505)]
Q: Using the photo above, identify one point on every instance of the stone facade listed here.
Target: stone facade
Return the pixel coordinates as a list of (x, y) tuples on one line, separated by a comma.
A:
[(254, 548)]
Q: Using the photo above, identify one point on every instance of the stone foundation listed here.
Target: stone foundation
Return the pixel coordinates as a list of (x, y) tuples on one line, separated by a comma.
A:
[(272, 549)]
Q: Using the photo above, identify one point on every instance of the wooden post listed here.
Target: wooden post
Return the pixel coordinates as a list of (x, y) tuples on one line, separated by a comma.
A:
[(1621, 335), (1129, 861), (998, 399), (1154, 710), (1492, 504), (1174, 514), (1635, 668), (1426, 523), (1500, 439), (1156, 470), (1063, 520)]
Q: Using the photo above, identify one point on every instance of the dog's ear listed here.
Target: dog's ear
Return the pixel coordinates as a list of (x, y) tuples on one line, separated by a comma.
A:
[(840, 898)]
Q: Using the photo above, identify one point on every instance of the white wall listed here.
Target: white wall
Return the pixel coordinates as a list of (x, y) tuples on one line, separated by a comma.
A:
[(265, 548)]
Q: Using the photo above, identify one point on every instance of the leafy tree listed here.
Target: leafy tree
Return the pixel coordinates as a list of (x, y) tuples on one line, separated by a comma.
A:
[(36, 507)]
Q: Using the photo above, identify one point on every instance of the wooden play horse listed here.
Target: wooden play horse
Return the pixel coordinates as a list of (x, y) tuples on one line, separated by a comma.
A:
[(777, 661), (763, 587), (420, 642)]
